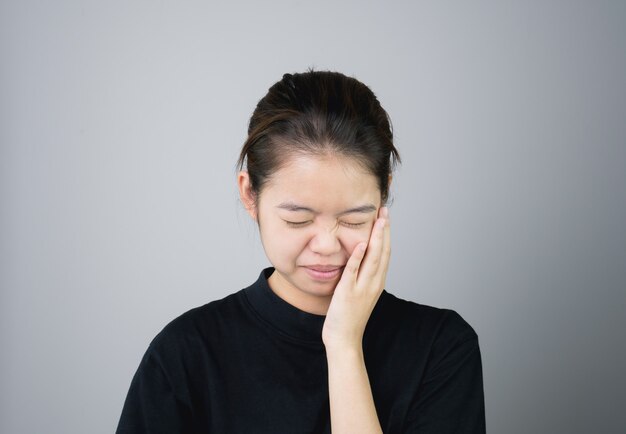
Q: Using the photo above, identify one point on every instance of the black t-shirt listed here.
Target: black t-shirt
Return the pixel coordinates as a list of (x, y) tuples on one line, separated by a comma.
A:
[(253, 363)]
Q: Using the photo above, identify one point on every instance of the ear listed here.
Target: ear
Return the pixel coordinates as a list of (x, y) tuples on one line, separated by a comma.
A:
[(389, 182), (247, 196)]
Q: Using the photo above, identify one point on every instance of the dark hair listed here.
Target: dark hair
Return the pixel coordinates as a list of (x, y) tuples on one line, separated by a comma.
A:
[(319, 113)]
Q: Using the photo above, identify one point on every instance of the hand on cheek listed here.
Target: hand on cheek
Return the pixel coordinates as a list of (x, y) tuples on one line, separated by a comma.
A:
[(359, 288)]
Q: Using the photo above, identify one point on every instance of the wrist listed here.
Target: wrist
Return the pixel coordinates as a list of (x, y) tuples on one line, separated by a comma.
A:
[(344, 351)]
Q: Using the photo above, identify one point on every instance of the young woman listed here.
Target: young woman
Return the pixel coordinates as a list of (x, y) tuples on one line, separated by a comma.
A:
[(316, 344)]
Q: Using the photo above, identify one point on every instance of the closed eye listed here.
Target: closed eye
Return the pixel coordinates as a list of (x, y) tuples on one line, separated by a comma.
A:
[(352, 225), (304, 223), (296, 224)]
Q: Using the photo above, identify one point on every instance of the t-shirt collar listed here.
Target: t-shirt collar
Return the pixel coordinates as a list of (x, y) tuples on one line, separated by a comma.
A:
[(289, 321)]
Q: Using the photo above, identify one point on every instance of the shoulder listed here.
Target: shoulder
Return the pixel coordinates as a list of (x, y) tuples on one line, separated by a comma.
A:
[(439, 357), (435, 341), (197, 325), (431, 323)]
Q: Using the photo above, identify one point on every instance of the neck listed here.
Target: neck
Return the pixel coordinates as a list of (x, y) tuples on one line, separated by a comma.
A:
[(310, 303)]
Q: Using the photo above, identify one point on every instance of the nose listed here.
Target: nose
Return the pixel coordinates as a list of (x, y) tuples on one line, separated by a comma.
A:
[(325, 242)]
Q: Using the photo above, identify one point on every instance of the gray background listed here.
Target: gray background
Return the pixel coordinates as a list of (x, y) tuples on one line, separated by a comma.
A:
[(120, 124)]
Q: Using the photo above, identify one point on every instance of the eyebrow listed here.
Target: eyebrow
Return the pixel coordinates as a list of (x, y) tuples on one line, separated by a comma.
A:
[(291, 206)]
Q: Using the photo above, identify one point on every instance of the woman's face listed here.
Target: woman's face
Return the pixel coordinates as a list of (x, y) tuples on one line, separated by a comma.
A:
[(312, 213)]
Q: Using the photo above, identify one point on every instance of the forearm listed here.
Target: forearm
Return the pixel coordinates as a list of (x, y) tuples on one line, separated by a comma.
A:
[(352, 407)]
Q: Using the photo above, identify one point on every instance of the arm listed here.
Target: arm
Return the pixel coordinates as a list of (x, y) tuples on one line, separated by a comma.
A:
[(352, 407), (450, 399), (151, 405)]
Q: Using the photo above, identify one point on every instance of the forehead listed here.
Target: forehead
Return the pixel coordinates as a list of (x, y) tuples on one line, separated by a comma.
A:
[(322, 182)]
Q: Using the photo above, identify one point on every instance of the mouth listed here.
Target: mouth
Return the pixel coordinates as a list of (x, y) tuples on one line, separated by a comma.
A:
[(323, 272)]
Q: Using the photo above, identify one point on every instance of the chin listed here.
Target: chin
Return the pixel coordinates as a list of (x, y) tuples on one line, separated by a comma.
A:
[(320, 288)]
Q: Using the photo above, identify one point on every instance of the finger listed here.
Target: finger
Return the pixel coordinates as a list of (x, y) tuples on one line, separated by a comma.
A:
[(373, 255), (386, 244), (351, 270), (386, 249)]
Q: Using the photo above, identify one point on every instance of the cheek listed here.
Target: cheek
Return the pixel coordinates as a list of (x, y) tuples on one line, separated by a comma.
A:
[(351, 238), (282, 243)]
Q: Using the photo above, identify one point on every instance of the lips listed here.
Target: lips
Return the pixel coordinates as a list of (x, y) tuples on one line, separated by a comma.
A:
[(323, 272), (323, 267)]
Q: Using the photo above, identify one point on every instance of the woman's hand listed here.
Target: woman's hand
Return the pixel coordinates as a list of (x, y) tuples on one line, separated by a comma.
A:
[(359, 288)]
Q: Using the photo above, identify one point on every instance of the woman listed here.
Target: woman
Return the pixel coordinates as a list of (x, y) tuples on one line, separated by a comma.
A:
[(315, 344)]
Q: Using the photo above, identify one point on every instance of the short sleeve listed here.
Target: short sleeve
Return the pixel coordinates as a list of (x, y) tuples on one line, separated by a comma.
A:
[(450, 399), (151, 405)]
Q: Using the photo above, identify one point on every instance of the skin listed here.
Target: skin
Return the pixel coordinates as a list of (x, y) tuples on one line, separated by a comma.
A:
[(340, 223)]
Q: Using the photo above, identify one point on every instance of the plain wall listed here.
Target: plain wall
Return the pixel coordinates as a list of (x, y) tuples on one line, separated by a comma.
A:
[(120, 125)]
